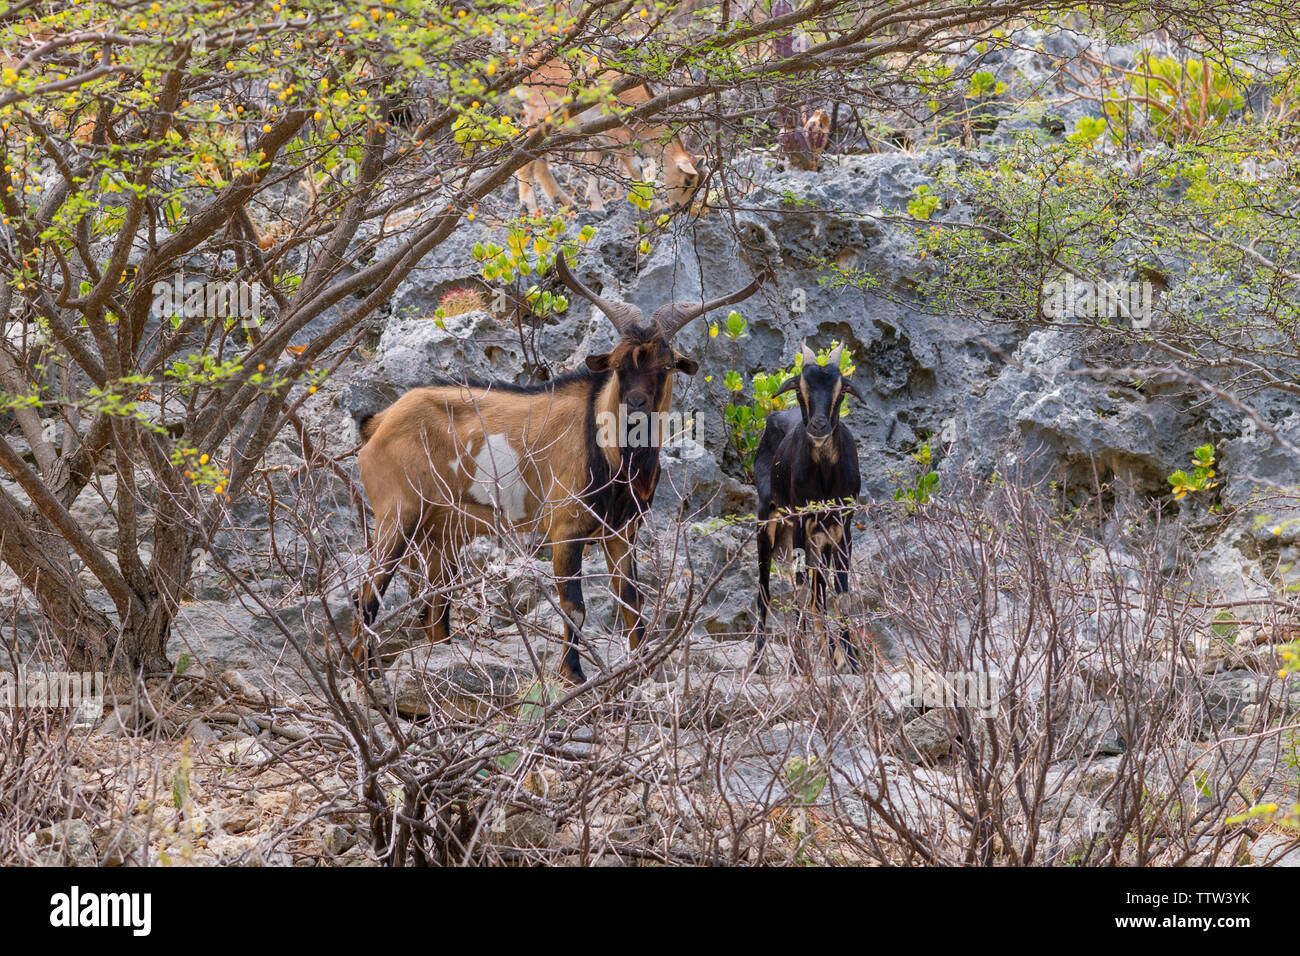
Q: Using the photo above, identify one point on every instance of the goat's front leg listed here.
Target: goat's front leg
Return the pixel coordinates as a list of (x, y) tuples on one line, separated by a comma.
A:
[(527, 188), (817, 590), (438, 565), (595, 201), (842, 553), (567, 562), (391, 541), (621, 561), (552, 190)]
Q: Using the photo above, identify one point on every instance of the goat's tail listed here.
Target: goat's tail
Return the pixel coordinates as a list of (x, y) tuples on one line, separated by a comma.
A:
[(368, 426)]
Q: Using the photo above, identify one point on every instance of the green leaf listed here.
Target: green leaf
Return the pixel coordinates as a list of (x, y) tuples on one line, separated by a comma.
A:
[(805, 779), (736, 325)]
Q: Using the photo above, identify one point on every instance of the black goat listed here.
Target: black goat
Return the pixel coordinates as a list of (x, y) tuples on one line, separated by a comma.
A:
[(806, 471)]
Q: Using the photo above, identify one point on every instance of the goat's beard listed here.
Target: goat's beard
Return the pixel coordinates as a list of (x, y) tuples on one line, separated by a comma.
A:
[(641, 471)]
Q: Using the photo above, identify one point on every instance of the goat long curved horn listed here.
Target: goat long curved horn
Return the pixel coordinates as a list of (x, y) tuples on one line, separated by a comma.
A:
[(622, 315), (673, 316)]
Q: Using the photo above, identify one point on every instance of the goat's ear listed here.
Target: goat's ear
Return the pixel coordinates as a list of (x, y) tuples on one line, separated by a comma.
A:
[(790, 385), (687, 365), (598, 363), (847, 385), (687, 166)]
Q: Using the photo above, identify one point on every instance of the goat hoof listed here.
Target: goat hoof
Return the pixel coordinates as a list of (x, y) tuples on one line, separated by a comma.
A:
[(848, 666), (572, 675), (845, 660)]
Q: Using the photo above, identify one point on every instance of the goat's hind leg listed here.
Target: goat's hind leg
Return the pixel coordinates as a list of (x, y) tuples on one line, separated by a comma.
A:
[(392, 538), (766, 531)]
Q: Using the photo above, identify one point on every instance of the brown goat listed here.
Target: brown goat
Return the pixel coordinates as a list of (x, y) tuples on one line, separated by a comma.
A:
[(546, 95), (804, 145), (448, 462)]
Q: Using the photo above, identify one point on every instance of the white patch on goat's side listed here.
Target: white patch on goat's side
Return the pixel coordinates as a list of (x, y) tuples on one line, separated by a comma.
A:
[(455, 466), (497, 480)]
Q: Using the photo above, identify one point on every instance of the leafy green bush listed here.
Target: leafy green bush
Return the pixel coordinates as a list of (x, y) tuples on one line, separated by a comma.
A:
[(532, 243), (918, 488), (1180, 99), (1201, 477), (923, 203)]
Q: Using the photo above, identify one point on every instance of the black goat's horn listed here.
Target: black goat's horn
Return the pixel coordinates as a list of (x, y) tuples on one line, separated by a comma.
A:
[(672, 317), (622, 315)]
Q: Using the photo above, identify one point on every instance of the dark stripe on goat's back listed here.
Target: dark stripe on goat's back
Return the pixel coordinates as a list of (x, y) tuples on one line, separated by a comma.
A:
[(579, 375)]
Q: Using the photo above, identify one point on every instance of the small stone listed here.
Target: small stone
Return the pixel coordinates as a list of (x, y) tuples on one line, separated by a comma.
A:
[(926, 739), (237, 819), (117, 844), (243, 750), (202, 735), (337, 839), (524, 828), (69, 843), (239, 684)]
